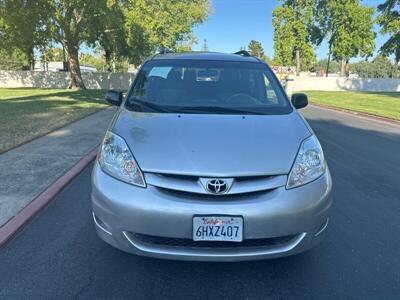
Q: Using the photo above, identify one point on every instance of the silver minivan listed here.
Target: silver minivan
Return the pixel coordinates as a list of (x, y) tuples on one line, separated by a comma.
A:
[(207, 159)]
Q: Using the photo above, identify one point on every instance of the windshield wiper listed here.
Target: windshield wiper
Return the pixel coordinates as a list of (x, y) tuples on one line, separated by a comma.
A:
[(216, 109), (190, 109), (146, 104)]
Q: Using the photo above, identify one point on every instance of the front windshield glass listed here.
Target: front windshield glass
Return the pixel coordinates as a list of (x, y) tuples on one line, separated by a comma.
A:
[(201, 86)]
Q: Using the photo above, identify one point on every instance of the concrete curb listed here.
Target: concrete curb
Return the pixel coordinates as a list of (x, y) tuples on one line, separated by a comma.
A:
[(14, 225), (361, 115)]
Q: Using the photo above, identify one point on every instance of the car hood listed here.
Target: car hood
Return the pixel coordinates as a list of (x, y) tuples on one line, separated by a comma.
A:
[(212, 145)]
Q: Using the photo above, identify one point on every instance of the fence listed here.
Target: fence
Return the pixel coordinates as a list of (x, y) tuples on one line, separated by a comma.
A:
[(60, 80), (18, 79), (342, 84)]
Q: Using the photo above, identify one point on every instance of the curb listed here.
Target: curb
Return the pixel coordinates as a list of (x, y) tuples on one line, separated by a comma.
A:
[(20, 220), (359, 114)]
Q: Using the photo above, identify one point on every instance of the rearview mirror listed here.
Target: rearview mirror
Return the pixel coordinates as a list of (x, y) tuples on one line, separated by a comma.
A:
[(299, 100), (114, 97)]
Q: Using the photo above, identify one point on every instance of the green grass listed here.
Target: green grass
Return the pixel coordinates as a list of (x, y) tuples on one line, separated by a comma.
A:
[(379, 104), (29, 113)]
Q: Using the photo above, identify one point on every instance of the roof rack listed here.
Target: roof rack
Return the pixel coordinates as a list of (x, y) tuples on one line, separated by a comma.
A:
[(243, 53), (164, 50)]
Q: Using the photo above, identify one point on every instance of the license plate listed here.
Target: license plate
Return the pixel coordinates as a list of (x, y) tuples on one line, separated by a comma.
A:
[(218, 228)]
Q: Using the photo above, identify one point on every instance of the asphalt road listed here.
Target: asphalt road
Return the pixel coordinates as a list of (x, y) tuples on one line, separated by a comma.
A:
[(59, 256)]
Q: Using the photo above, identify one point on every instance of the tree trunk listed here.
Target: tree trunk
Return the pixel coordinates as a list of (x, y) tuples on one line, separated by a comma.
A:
[(328, 62), (114, 67), (31, 59), (107, 55), (65, 63), (343, 67), (76, 76), (297, 62)]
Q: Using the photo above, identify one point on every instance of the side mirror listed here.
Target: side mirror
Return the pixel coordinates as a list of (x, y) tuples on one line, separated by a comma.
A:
[(299, 100), (114, 97)]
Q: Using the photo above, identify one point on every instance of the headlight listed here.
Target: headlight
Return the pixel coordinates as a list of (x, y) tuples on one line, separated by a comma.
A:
[(117, 160), (309, 164)]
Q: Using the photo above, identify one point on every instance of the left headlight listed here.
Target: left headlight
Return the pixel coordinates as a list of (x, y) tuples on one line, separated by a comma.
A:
[(309, 164), (117, 160)]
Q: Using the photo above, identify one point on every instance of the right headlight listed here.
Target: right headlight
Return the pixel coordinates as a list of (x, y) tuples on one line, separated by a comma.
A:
[(116, 160), (309, 164)]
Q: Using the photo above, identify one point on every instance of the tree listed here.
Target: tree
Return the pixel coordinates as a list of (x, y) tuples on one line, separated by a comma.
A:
[(122, 28), (348, 28), (183, 46), (92, 60), (322, 65), (70, 24), (292, 23), (13, 60), (389, 20), (256, 49), (51, 54), (380, 67), (160, 24), (108, 31), (48, 54), (22, 23)]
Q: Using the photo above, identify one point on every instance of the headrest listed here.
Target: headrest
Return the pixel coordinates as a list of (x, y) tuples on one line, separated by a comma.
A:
[(189, 76), (174, 76)]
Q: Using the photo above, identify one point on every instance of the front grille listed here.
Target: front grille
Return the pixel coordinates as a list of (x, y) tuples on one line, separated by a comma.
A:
[(188, 243), (212, 197), (187, 185)]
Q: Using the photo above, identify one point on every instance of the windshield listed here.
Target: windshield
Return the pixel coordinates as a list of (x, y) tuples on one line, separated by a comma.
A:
[(211, 87)]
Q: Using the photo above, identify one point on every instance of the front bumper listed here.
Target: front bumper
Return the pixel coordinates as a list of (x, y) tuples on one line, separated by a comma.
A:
[(296, 218)]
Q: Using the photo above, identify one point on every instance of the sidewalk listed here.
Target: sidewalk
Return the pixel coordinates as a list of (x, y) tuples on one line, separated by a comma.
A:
[(28, 170)]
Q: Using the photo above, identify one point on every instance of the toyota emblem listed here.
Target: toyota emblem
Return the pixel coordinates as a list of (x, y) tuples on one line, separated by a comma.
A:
[(217, 186)]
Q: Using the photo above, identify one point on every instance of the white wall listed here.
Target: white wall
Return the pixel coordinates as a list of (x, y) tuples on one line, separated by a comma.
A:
[(343, 84), (18, 79)]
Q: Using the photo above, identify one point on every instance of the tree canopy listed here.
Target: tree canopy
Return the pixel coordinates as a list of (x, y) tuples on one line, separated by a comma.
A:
[(256, 49), (292, 22), (107, 32), (389, 20), (348, 28), (379, 67), (160, 24), (127, 31), (346, 25), (22, 27), (123, 29)]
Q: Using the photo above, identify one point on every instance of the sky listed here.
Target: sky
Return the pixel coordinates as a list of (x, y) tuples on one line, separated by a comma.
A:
[(234, 23)]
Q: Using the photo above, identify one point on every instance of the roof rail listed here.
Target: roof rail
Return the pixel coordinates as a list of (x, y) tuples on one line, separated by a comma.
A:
[(165, 50), (243, 53)]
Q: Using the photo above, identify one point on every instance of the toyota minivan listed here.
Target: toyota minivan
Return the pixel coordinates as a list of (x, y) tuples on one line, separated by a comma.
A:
[(207, 159)]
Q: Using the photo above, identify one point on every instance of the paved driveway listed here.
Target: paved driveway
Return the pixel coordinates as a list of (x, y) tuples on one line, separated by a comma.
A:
[(59, 256)]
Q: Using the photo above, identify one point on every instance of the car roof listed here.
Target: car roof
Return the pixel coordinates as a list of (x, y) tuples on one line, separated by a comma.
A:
[(205, 56)]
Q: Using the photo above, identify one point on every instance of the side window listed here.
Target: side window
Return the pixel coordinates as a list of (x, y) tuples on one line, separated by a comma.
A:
[(270, 92)]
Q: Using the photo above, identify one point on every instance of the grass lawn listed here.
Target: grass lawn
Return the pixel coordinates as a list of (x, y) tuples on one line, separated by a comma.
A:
[(379, 104), (28, 113)]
